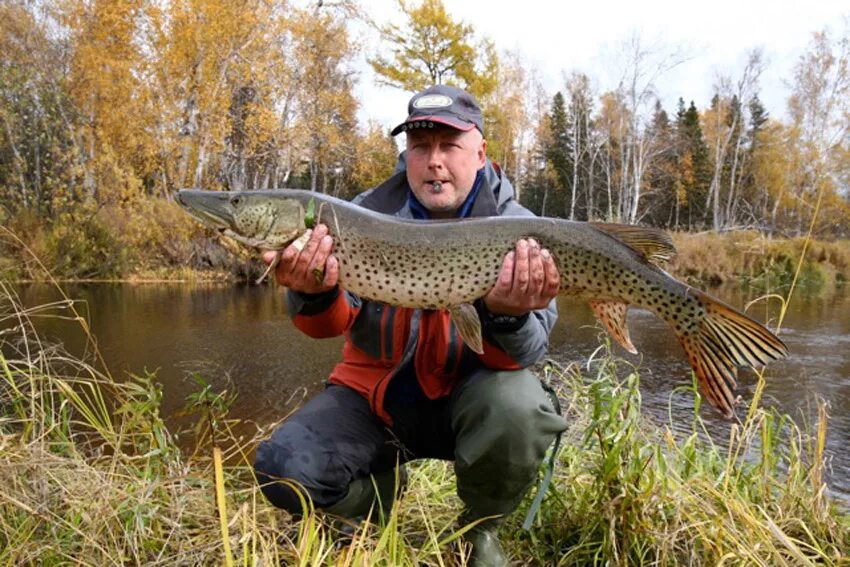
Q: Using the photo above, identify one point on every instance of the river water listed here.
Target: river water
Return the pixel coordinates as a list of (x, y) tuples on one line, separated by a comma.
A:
[(239, 338)]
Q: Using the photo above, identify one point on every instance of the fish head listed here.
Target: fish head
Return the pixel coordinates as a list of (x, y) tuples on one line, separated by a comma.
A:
[(250, 217)]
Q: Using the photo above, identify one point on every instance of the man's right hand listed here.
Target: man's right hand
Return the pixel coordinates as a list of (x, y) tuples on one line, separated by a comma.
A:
[(313, 269)]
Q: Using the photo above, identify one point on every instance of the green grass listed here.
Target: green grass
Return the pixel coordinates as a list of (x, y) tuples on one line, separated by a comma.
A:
[(90, 474)]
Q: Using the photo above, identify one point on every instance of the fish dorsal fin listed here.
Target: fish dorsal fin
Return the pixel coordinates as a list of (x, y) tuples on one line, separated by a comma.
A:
[(654, 244), (612, 315)]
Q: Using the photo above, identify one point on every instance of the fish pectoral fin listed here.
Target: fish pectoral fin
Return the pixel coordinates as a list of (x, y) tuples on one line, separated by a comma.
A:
[(465, 318), (612, 315), (654, 244), (272, 265), (300, 242)]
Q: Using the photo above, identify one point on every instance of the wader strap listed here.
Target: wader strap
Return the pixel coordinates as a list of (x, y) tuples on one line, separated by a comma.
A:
[(550, 467)]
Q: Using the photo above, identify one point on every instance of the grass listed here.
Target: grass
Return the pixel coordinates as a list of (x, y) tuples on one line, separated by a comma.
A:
[(90, 474)]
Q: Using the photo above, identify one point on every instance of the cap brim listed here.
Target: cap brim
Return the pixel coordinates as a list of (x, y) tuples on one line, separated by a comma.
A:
[(456, 124)]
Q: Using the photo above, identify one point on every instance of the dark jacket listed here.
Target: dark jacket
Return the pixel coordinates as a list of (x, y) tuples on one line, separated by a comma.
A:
[(419, 351)]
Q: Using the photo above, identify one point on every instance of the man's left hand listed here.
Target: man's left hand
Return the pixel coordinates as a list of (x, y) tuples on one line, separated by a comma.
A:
[(528, 280)]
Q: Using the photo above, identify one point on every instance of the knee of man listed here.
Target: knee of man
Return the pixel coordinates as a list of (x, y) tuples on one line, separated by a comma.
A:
[(511, 403), (291, 471), (508, 393), (505, 422), (278, 481)]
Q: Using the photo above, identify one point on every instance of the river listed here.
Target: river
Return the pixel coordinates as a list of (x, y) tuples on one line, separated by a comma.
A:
[(239, 338)]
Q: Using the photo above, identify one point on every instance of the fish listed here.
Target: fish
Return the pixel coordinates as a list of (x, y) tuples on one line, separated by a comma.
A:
[(448, 264)]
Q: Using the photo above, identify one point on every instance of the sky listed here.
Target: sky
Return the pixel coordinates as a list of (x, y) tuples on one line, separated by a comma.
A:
[(557, 38)]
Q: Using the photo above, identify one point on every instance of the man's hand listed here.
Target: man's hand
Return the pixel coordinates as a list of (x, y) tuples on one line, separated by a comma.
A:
[(528, 280), (311, 270)]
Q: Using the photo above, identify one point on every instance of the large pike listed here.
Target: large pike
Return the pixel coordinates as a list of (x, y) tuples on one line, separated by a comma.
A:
[(449, 264)]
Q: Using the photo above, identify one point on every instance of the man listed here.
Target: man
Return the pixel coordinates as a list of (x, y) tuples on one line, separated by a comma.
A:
[(407, 387)]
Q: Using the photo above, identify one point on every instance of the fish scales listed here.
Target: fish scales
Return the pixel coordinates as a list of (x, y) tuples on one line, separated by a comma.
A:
[(449, 264)]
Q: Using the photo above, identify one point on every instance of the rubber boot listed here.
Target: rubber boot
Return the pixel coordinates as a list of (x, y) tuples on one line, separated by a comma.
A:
[(484, 539), (504, 423), (363, 498)]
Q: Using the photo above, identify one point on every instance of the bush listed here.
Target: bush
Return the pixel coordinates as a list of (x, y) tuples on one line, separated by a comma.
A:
[(155, 231), (163, 241), (80, 246), (74, 245)]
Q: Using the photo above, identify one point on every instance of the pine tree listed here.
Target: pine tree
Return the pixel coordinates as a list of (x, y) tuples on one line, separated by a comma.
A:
[(694, 165), (752, 193), (557, 149), (662, 197), (758, 117)]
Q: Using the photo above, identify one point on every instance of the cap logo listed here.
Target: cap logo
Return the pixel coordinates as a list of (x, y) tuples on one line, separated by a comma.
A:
[(432, 101)]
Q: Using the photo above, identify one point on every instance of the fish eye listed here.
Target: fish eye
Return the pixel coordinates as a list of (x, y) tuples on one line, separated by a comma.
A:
[(235, 200)]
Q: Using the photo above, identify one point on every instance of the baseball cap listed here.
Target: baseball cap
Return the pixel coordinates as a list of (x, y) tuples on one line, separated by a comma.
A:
[(442, 104)]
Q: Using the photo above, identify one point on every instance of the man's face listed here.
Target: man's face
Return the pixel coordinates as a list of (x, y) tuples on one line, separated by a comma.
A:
[(448, 156)]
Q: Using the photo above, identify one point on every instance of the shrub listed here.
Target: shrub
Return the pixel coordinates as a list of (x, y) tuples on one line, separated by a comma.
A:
[(74, 245)]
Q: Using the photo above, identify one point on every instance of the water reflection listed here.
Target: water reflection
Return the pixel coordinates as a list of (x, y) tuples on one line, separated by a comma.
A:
[(236, 337), (239, 338)]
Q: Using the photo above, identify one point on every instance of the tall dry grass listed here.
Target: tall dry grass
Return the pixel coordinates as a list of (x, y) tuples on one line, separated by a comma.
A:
[(758, 260)]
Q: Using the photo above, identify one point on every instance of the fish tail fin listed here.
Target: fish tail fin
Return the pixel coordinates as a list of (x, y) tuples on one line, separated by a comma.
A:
[(723, 340)]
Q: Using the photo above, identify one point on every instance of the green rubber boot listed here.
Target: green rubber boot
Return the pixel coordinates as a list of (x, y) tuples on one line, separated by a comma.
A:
[(363, 498), (504, 422), (483, 537)]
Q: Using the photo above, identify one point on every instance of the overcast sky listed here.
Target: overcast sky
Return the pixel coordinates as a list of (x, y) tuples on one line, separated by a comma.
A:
[(586, 35)]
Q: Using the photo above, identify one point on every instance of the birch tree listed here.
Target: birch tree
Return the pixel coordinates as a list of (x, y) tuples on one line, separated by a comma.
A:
[(819, 107), (40, 159), (582, 153), (430, 48), (197, 48), (507, 121), (107, 91), (723, 128), (325, 104), (642, 67)]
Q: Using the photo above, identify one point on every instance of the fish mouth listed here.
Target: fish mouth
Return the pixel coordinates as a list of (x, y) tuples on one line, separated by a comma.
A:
[(207, 207)]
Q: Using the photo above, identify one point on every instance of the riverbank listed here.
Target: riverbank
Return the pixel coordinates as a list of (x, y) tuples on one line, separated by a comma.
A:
[(90, 472), (756, 260)]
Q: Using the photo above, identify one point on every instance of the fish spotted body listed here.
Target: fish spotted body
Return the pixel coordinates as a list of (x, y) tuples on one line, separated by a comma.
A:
[(450, 264)]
